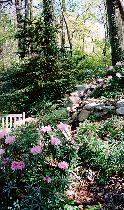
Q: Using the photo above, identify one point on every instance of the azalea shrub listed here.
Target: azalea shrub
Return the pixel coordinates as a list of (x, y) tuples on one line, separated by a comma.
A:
[(113, 83), (35, 164)]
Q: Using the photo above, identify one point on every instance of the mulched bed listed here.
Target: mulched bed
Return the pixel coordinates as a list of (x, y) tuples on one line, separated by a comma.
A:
[(85, 191)]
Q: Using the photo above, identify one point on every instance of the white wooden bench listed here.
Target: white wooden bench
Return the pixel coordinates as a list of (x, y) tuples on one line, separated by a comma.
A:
[(11, 120)]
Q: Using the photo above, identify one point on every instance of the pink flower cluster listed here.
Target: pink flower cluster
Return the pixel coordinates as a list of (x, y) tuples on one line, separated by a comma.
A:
[(46, 129), (109, 77), (55, 141), (3, 133), (36, 150), (110, 68), (63, 165), (10, 139), (47, 179), (16, 165), (2, 151), (62, 126)]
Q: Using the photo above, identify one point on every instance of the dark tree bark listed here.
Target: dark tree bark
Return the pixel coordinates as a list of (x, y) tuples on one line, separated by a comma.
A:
[(68, 34), (63, 9), (1, 45), (120, 24), (20, 26), (113, 31), (121, 9)]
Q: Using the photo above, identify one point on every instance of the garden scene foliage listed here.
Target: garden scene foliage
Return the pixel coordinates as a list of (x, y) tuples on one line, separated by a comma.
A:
[(61, 63)]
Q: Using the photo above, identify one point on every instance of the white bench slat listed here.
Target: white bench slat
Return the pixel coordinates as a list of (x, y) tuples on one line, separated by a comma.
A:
[(2, 122), (10, 115), (6, 122), (11, 120)]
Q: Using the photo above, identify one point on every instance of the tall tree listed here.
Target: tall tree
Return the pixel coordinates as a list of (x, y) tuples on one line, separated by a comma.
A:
[(63, 10), (113, 31), (20, 27), (1, 45)]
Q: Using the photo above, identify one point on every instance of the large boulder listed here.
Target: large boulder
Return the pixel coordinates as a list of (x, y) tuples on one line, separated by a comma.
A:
[(120, 111), (120, 103)]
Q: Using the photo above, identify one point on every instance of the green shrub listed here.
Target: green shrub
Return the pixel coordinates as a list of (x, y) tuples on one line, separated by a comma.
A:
[(25, 84), (101, 147), (112, 88), (88, 66)]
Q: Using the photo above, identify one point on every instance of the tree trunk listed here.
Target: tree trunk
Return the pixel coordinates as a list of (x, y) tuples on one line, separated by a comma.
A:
[(68, 35), (113, 31), (30, 9), (1, 45), (21, 47), (120, 23), (63, 9), (26, 23)]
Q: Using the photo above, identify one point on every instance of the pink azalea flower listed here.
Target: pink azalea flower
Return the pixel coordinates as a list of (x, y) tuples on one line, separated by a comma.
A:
[(2, 151), (55, 141), (63, 165), (10, 139), (62, 126), (36, 150), (3, 132), (110, 68), (47, 179), (16, 165), (109, 77), (46, 129)]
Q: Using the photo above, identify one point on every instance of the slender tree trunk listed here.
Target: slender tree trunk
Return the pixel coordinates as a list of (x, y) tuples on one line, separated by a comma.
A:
[(1, 44), (31, 18), (68, 34), (21, 47), (30, 10), (27, 11), (63, 9), (26, 23)]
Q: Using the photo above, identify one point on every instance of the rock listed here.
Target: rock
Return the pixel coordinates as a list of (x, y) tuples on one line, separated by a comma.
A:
[(120, 103), (120, 111), (99, 114), (74, 99), (104, 107), (83, 87), (74, 94), (90, 106), (109, 108), (92, 87), (83, 115), (100, 106)]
